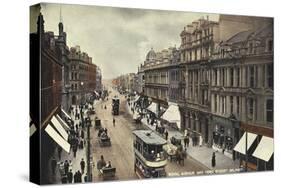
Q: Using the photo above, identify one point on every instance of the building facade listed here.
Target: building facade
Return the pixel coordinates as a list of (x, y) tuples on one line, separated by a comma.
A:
[(82, 75), (228, 79)]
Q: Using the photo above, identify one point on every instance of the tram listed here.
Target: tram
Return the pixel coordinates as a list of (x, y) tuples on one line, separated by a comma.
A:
[(115, 105), (150, 160)]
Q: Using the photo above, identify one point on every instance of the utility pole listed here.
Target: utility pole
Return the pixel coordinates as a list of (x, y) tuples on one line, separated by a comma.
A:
[(89, 169)]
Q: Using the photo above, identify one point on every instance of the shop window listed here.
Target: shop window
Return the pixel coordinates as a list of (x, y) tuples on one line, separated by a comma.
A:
[(269, 110)]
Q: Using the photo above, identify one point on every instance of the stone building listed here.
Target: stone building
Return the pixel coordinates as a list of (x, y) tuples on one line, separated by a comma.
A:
[(242, 89), (198, 42), (162, 79), (126, 82), (82, 75), (228, 85)]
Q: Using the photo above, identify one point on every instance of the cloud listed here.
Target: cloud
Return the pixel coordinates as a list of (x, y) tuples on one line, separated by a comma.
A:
[(118, 39)]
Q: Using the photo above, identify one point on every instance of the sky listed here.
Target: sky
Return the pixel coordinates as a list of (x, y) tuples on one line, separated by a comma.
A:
[(118, 39)]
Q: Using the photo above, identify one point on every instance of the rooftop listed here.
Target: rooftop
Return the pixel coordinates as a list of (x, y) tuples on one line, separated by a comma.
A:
[(149, 137)]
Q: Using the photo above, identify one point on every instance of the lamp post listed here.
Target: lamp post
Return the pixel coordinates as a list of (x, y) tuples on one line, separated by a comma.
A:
[(89, 169)]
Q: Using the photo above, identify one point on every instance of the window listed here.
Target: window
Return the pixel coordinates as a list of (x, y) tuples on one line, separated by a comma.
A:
[(270, 76), (216, 77), (237, 77), (231, 77), (252, 76), (250, 108), (215, 105), (269, 110), (238, 105), (222, 77), (222, 105), (250, 48), (231, 104)]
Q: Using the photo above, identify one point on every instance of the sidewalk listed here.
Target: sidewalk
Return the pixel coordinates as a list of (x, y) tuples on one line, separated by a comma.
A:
[(81, 153), (202, 154)]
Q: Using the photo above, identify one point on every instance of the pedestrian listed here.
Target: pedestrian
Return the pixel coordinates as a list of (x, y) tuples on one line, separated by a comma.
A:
[(70, 165), (105, 107), (53, 165), (82, 165), (82, 134), (79, 177), (105, 130), (214, 159), (166, 134), (113, 121), (81, 144), (75, 147), (66, 167), (200, 140), (70, 176), (101, 163), (75, 177), (86, 178), (185, 140), (59, 152)]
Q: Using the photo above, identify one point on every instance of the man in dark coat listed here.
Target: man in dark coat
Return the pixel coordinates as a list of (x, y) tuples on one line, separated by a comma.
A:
[(66, 167), (75, 177), (75, 147), (85, 178), (82, 134), (82, 164), (214, 159), (79, 176), (114, 122), (70, 176)]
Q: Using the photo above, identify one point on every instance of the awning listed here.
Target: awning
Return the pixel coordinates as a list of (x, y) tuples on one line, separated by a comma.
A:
[(152, 107), (59, 127), (241, 145), (32, 129), (172, 115), (62, 122), (57, 138), (265, 149), (65, 114)]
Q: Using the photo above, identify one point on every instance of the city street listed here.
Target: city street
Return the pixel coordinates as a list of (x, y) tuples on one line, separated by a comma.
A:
[(121, 152)]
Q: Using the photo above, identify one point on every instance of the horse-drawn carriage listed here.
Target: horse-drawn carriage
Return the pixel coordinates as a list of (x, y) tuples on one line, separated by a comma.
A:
[(97, 123), (174, 150), (103, 138), (107, 173)]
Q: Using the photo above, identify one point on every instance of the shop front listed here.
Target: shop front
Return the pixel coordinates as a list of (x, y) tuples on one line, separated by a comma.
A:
[(224, 134)]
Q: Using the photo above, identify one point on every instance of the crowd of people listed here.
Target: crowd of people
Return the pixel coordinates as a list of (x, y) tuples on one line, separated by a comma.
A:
[(76, 139)]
